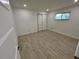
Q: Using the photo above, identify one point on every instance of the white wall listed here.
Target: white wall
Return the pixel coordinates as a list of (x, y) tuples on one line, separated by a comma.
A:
[(5, 20), (70, 28), (8, 38), (8, 45), (25, 20)]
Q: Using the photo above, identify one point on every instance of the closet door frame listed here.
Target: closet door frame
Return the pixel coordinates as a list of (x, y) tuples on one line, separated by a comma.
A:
[(42, 21)]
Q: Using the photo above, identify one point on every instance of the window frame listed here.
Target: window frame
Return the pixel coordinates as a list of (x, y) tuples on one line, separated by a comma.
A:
[(62, 16)]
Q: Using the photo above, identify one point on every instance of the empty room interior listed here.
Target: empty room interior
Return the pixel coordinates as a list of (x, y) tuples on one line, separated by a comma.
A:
[(39, 29)]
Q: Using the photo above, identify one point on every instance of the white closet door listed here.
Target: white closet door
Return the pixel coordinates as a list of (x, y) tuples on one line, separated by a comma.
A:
[(42, 22)]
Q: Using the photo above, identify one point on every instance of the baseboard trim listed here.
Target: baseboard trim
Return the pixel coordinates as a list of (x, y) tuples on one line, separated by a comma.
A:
[(16, 53), (27, 33), (76, 57), (65, 34)]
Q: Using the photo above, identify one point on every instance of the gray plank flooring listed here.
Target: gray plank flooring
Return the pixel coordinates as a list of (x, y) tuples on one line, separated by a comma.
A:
[(47, 45)]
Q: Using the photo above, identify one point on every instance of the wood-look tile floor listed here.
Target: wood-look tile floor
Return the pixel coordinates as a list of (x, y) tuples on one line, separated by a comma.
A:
[(47, 45)]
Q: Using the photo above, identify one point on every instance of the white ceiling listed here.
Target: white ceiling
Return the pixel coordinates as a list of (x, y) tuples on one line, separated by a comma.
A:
[(42, 5)]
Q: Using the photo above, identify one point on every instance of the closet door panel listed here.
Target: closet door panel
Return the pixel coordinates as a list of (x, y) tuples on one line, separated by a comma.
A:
[(40, 22), (44, 22)]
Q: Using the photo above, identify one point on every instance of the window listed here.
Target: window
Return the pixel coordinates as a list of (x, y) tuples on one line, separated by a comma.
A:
[(62, 16)]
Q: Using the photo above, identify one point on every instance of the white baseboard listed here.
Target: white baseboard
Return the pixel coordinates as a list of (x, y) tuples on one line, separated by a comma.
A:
[(17, 55), (72, 36), (26, 33), (77, 51)]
